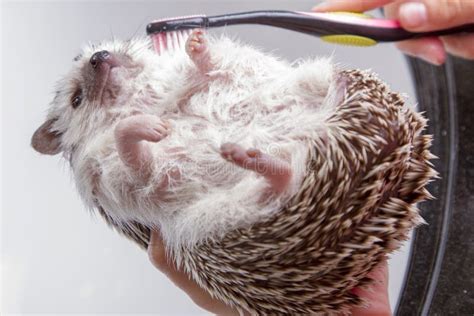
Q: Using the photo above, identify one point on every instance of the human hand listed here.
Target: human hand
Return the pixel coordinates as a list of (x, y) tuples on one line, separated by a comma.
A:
[(157, 254), (421, 16), (376, 295)]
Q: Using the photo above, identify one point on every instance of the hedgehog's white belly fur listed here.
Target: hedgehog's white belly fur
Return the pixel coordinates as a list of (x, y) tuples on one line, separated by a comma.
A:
[(262, 103)]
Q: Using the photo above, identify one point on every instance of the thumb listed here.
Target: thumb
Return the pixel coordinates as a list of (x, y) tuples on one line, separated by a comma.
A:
[(430, 15)]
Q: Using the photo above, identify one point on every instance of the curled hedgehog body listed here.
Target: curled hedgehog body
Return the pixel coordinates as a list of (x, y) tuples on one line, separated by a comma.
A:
[(354, 204)]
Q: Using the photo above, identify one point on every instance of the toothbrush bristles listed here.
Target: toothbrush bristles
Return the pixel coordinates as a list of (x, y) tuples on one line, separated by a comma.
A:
[(175, 40), (178, 39), (171, 41), (181, 39), (161, 44)]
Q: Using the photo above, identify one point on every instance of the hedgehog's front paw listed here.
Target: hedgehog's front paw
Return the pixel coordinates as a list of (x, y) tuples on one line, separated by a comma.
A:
[(129, 134), (276, 171), (198, 50), (142, 127), (196, 43)]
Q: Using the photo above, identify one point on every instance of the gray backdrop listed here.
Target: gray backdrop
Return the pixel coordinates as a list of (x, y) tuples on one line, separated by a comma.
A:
[(57, 258)]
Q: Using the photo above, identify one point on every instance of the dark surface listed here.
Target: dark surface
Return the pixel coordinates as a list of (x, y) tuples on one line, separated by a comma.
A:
[(455, 291), (440, 279)]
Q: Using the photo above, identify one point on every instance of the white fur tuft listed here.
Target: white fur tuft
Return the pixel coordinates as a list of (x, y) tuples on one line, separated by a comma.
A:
[(249, 98)]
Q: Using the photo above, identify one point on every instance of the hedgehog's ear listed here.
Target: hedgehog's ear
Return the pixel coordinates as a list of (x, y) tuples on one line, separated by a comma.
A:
[(45, 140)]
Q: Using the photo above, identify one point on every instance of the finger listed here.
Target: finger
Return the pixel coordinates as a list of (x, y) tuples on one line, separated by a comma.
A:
[(379, 275), (428, 15), (460, 45), (159, 258), (430, 49), (376, 295), (350, 5)]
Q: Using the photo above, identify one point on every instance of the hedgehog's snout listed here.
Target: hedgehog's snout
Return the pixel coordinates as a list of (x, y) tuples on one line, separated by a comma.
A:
[(101, 57)]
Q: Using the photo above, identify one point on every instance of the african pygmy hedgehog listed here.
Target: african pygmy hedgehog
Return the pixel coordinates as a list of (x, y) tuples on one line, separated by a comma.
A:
[(277, 188)]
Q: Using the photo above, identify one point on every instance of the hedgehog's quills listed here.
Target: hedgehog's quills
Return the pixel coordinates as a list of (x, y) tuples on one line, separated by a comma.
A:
[(358, 158), (356, 204)]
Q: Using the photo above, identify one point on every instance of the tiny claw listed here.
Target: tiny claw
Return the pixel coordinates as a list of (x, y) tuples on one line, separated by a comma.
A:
[(254, 153), (167, 124)]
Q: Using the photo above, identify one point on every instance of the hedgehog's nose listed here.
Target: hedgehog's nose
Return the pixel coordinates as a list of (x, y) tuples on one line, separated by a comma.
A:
[(99, 57)]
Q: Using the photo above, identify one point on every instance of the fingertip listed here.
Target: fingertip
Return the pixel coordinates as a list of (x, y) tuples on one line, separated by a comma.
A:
[(349, 5), (434, 55), (321, 7), (430, 49), (156, 250), (413, 15)]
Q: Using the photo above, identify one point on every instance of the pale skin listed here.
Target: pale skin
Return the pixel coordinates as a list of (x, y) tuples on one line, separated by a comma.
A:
[(420, 16), (277, 172)]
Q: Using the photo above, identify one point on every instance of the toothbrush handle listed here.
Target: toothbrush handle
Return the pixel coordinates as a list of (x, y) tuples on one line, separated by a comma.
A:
[(327, 24), (317, 24)]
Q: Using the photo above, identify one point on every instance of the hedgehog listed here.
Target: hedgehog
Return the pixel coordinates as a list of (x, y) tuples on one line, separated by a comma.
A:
[(277, 186)]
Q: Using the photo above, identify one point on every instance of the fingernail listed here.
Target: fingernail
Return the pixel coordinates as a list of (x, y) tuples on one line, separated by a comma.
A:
[(413, 14), (433, 54), (435, 60), (320, 7)]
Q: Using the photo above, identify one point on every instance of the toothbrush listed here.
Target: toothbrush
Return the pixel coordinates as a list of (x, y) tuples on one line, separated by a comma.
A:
[(345, 28)]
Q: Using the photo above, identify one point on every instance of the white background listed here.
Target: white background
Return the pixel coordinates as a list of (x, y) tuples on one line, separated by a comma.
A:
[(57, 258)]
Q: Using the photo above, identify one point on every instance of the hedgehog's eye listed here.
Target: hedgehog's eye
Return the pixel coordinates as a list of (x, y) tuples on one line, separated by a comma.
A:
[(76, 99), (78, 57)]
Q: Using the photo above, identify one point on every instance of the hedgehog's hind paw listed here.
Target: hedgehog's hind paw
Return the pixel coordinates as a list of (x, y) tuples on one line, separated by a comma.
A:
[(276, 171)]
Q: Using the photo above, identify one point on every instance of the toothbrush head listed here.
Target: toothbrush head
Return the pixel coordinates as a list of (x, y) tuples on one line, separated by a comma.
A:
[(170, 41), (189, 22), (170, 34)]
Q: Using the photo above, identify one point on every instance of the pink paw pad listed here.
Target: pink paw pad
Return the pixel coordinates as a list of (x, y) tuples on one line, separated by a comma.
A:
[(196, 43), (237, 154), (278, 172)]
